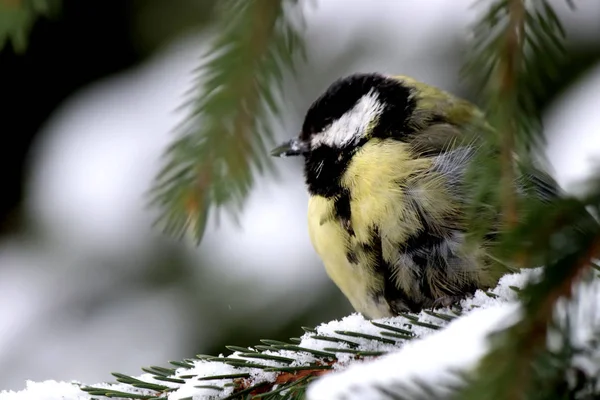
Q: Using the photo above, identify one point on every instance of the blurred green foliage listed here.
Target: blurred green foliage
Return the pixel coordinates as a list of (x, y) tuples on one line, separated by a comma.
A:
[(157, 23), (17, 18)]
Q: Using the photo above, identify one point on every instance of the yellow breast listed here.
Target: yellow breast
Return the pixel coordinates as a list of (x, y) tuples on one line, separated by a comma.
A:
[(332, 244), (380, 178)]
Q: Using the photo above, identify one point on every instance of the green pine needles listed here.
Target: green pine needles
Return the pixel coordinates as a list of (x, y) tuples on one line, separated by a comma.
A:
[(223, 142), (518, 50), (518, 47), (276, 369), (285, 370)]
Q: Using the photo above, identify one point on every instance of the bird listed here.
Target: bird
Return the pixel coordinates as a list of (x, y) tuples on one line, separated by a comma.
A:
[(385, 158)]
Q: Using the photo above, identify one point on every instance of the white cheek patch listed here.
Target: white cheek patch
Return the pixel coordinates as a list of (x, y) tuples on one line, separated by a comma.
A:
[(351, 126)]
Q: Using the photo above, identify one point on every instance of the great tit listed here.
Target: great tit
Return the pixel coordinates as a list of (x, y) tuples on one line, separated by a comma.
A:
[(385, 159)]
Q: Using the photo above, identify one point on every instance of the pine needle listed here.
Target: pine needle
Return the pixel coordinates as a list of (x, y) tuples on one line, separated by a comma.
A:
[(223, 141)]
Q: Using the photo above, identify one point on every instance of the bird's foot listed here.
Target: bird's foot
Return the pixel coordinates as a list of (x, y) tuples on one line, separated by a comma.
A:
[(447, 301)]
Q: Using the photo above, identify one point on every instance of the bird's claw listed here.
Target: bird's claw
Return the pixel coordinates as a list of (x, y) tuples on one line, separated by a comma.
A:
[(446, 301)]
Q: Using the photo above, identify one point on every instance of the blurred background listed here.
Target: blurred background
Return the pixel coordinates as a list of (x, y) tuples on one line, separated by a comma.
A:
[(87, 286)]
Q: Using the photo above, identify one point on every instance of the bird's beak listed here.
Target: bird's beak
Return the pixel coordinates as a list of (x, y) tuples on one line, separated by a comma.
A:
[(294, 147)]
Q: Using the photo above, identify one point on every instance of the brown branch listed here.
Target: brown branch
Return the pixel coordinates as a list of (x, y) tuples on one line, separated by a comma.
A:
[(508, 71), (285, 378)]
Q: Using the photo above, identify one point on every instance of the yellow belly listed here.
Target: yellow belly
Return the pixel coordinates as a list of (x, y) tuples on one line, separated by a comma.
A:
[(330, 241), (391, 193), (377, 200)]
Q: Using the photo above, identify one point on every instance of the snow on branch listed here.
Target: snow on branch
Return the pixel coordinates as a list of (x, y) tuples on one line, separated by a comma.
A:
[(353, 358)]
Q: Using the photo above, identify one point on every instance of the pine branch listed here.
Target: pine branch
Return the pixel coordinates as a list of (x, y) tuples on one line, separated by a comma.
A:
[(509, 67), (557, 233), (342, 360), (276, 369), (567, 238), (510, 42), (223, 141)]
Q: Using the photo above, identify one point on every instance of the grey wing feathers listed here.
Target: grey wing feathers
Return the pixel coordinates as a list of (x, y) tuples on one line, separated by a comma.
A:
[(453, 165), (436, 139), (538, 183)]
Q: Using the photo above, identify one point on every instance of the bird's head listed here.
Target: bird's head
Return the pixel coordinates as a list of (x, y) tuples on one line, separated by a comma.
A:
[(352, 111)]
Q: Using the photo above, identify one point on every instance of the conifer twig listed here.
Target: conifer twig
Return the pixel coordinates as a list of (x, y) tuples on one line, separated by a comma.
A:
[(535, 325), (222, 143), (508, 71)]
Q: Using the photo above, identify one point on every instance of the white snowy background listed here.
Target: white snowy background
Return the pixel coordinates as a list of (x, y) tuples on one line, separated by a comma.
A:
[(93, 164)]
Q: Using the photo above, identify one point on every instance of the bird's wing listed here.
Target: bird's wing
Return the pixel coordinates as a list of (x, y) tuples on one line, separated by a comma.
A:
[(451, 129), (440, 121)]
